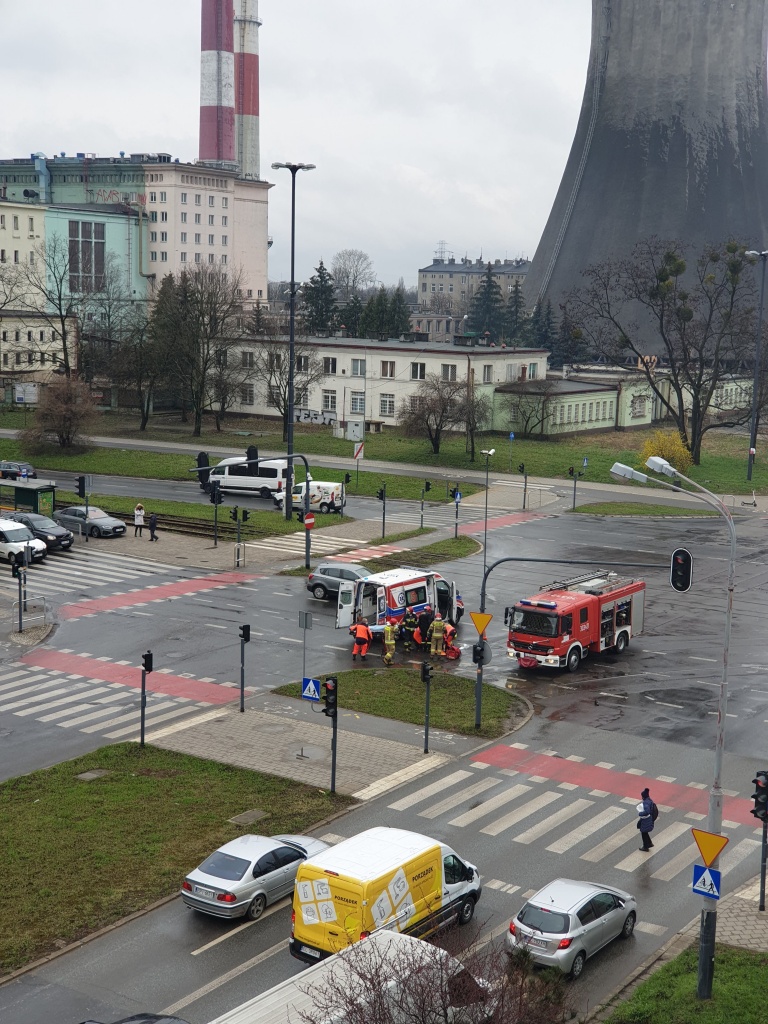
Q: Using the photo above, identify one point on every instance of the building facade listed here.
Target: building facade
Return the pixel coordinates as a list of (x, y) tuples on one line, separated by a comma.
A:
[(448, 285)]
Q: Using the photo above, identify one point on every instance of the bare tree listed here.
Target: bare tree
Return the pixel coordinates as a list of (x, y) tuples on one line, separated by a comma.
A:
[(64, 412), (11, 285), (352, 271), (475, 412), (528, 405), (434, 408), (140, 363), (232, 373), (46, 283), (271, 370)]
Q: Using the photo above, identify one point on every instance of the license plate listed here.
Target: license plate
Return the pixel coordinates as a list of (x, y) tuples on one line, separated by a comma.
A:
[(311, 952), (208, 893), (539, 943)]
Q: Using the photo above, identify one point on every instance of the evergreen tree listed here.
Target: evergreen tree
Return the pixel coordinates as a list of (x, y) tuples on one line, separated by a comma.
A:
[(486, 313), (349, 316), (516, 320), (375, 318), (568, 346), (318, 305), (399, 314)]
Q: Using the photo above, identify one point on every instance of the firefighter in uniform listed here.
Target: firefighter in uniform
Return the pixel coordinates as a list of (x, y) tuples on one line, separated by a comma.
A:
[(410, 624), (435, 634), (363, 636), (390, 633), (425, 621)]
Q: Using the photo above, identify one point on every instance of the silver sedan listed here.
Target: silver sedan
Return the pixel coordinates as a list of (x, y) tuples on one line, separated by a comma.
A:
[(245, 875), (98, 524)]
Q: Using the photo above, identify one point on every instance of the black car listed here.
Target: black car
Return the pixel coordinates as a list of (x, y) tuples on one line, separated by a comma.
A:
[(15, 470), (55, 537)]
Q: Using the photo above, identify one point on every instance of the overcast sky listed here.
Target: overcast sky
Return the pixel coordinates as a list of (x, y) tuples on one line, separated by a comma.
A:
[(427, 121)]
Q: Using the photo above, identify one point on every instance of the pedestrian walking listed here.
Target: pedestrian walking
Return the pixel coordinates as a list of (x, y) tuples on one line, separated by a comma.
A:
[(363, 636), (436, 636), (153, 526), (645, 819), (390, 628), (138, 520), (410, 625)]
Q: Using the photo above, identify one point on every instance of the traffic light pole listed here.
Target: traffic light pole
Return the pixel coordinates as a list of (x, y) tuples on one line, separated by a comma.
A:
[(242, 673), (426, 714), (763, 860), (421, 524)]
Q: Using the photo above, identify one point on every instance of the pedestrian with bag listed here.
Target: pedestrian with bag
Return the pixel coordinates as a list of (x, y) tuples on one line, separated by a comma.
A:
[(647, 813), (390, 634), (436, 636), (153, 526), (410, 625), (138, 520), (363, 636)]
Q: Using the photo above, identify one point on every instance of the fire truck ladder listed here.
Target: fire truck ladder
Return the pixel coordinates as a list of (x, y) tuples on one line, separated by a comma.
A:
[(574, 581)]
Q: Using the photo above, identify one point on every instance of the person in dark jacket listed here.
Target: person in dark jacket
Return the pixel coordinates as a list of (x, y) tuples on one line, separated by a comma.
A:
[(425, 621), (410, 625), (645, 820), (153, 526)]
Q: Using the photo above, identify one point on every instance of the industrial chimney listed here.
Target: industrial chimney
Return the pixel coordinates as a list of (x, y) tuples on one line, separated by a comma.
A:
[(672, 139), (217, 83), (247, 86)]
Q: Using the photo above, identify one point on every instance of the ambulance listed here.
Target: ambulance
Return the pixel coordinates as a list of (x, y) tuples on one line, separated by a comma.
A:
[(384, 595), (380, 879)]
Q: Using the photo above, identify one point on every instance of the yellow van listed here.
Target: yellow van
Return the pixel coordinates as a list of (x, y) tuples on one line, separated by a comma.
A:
[(383, 878)]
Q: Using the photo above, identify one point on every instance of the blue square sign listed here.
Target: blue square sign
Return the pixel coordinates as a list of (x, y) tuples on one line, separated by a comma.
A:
[(310, 689), (706, 882)]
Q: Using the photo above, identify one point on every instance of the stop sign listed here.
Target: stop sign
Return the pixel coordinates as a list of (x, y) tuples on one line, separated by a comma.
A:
[(309, 520)]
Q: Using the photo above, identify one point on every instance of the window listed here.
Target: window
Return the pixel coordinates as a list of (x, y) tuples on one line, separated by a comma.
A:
[(211, 200), (197, 218), (163, 197), (488, 374), (86, 256), (197, 238), (183, 257), (561, 415), (224, 239), (418, 371), (329, 368), (153, 216), (2, 255), (198, 258), (358, 367), (183, 237), (210, 240), (590, 411), (246, 394), (224, 202), (163, 257), (15, 223), (18, 358), (5, 358), (448, 371), (31, 225), (153, 236), (583, 615), (246, 359), (224, 259), (387, 368), (2, 221), (164, 216), (637, 407), (163, 236), (153, 257), (249, 293), (198, 199), (415, 402), (211, 220), (31, 258), (153, 197), (610, 410), (30, 358), (183, 197), (15, 255), (453, 870), (605, 410), (532, 371), (329, 401), (583, 412), (568, 418), (357, 402), (184, 217), (511, 372), (224, 221), (386, 405)]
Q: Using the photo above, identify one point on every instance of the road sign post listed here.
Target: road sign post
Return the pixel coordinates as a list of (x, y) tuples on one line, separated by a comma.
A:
[(457, 500), (305, 623), (358, 454), (480, 620)]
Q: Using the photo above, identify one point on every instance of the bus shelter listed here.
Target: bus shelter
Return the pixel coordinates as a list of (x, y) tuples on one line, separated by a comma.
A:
[(28, 496)]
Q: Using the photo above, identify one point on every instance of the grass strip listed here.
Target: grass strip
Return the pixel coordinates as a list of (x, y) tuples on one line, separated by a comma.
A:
[(428, 556), (398, 693), (638, 508), (669, 995), (301, 570), (80, 855)]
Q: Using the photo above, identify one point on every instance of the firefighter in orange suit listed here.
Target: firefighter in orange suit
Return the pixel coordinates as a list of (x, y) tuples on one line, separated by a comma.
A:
[(363, 636)]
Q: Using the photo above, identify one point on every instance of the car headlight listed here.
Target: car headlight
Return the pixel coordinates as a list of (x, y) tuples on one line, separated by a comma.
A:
[(50, 537)]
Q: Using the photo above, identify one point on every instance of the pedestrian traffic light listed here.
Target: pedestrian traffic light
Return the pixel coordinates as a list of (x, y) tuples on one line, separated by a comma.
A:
[(216, 496), (427, 485), (244, 515), (81, 487), (521, 468), (330, 696), (453, 492), (381, 494), (15, 570), (680, 570), (426, 672), (233, 513), (570, 471), (146, 661), (760, 796), (347, 478), (478, 652), (245, 633)]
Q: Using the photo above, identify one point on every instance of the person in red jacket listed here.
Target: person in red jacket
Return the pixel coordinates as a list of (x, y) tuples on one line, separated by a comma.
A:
[(363, 636)]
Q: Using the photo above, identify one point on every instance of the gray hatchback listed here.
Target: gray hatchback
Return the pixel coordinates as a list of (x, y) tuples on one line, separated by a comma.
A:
[(324, 580)]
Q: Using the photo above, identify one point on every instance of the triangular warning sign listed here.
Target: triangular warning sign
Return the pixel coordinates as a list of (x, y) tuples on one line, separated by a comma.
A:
[(710, 845), (481, 620)]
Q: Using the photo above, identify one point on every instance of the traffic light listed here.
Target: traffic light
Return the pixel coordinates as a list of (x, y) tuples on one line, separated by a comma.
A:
[(427, 485), (680, 570), (347, 477), (570, 471), (15, 570), (245, 633), (478, 652), (233, 513), (521, 468), (331, 687), (244, 515), (426, 672), (453, 492), (760, 796), (146, 661), (81, 487), (381, 494), (216, 496)]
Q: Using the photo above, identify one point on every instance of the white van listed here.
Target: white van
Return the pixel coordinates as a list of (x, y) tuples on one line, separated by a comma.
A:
[(324, 496), (264, 478)]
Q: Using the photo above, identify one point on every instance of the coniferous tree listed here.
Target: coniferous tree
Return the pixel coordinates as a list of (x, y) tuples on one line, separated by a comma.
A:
[(349, 316), (568, 346), (375, 318), (318, 307), (399, 314), (486, 313), (516, 320)]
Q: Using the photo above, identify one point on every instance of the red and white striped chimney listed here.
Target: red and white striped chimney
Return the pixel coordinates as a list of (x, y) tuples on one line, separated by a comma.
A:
[(247, 86), (217, 82)]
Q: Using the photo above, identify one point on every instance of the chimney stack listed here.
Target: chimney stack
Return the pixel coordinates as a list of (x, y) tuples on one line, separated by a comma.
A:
[(217, 83), (247, 86)]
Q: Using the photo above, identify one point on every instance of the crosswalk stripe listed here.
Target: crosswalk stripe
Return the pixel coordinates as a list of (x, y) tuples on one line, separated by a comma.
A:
[(64, 572), (586, 829), (679, 863), (668, 835), (108, 711), (520, 813), (467, 794), (151, 721), (85, 705), (488, 806), (11, 675), (30, 678), (611, 844), (733, 857), (31, 700), (536, 831), (428, 791), (78, 691)]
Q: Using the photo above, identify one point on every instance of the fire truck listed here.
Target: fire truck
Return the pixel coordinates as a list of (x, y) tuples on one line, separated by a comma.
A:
[(558, 627)]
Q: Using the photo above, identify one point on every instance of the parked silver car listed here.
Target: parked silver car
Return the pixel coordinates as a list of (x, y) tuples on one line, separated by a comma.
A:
[(99, 524), (324, 580), (245, 875), (567, 921)]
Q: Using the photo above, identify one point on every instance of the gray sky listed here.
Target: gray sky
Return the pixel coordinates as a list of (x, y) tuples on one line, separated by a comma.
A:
[(449, 121)]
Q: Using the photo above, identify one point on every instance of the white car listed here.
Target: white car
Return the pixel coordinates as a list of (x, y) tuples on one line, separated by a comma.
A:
[(18, 544)]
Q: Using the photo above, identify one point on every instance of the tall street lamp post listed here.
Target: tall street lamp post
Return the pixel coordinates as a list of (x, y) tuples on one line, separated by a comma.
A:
[(762, 256), (487, 454), (293, 168), (715, 815)]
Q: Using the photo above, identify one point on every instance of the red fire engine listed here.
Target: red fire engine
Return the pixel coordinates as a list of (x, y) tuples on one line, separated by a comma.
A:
[(570, 618)]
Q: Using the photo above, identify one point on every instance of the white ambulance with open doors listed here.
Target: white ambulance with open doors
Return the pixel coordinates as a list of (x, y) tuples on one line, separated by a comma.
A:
[(384, 595)]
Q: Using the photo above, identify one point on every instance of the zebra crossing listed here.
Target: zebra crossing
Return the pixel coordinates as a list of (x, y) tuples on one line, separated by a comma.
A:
[(439, 515), (294, 544), (84, 569)]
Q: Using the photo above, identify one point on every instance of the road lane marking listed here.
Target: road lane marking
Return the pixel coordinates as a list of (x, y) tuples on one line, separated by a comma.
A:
[(467, 794), (280, 905), (525, 811), (427, 791), (584, 831), (669, 835), (693, 657), (536, 831)]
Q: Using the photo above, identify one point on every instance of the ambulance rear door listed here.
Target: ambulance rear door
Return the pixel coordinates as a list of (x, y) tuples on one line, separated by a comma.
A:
[(345, 604)]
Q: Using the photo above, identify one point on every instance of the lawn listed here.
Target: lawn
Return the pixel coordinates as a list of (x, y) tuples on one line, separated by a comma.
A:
[(80, 855), (398, 693), (669, 995), (639, 508), (428, 556)]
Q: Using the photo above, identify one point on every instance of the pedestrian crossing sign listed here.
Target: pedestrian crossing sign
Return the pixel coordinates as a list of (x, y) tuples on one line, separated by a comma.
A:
[(706, 882), (310, 689)]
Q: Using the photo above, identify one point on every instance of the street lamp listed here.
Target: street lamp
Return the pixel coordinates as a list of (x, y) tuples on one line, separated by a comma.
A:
[(715, 815), (293, 168), (762, 256), (487, 454)]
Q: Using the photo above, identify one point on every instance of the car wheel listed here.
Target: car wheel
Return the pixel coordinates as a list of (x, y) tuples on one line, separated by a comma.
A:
[(466, 911), (578, 965), (319, 592), (95, 531), (265, 492), (11, 558), (325, 508), (573, 660), (621, 643), (256, 908), (629, 925)]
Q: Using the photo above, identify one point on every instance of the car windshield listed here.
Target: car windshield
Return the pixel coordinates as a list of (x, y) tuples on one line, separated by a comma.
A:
[(224, 865), (17, 536), (543, 920), (526, 620), (44, 523), (97, 513)]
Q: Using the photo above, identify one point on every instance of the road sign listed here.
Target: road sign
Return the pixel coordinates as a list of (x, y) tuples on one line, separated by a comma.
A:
[(511, 436), (305, 620), (310, 689), (706, 882), (359, 450), (457, 497), (586, 462), (710, 844), (481, 620), (309, 520)]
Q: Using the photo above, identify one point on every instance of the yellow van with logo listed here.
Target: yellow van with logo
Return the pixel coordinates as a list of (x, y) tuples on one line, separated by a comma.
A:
[(383, 878)]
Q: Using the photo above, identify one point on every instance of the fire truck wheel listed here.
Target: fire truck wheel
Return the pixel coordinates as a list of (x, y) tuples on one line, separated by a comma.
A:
[(621, 643), (573, 660)]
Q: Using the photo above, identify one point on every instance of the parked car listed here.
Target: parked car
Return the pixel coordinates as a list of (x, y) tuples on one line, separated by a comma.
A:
[(45, 529), (14, 470), (99, 524), (324, 581), (143, 1018), (247, 874), (567, 921), (15, 539)]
